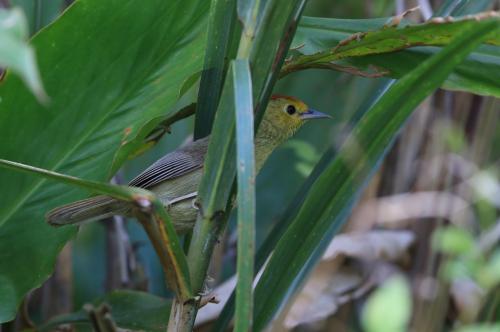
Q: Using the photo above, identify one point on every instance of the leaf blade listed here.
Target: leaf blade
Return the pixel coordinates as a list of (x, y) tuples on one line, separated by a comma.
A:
[(367, 43), (245, 160), (221, 30)]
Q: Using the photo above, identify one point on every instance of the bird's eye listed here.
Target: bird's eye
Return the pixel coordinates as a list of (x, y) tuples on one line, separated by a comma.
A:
[(290, 109)]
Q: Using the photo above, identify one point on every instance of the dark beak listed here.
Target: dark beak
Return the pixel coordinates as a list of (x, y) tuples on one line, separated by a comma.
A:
[(313, 114)]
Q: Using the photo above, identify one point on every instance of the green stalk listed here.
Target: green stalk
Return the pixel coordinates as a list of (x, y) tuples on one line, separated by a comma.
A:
[(221, 29)]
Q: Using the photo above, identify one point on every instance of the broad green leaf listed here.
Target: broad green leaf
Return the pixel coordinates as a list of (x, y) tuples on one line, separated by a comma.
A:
[(222, 29), (16, 54), (177, 273), (104, 86), (131, 310), (367, 43), (331, 196), (389, 308), (245, 161)]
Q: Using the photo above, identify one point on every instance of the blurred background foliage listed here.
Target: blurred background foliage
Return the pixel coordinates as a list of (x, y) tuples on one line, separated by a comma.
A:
[(448, 150)]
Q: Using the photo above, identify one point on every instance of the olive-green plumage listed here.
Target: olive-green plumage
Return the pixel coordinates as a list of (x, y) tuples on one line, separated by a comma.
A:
[(176, 176)]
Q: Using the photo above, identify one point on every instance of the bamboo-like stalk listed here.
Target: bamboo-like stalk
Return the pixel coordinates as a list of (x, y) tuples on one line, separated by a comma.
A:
[(183, 313), (214, 193)]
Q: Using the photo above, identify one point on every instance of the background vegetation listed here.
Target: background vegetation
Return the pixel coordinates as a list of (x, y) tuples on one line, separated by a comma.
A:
[(418, 213)]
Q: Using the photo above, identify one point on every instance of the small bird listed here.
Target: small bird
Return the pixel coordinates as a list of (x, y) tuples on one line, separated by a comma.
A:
[(175, 177)]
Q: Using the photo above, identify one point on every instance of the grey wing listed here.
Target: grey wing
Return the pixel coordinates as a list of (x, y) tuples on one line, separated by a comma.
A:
[(173, 165)]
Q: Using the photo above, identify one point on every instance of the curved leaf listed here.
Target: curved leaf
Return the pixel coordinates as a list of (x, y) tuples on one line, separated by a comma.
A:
[(389, 37), (372, 42)]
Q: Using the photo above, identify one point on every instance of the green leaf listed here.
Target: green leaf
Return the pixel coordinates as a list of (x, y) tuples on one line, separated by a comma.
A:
[(215, 186), (245, 161), (15, 53), (366, 43), (222, 29), (389, 308), (280, 21), (177, 274), (331, 196), (453, 240), (132, 310), (104, 86)]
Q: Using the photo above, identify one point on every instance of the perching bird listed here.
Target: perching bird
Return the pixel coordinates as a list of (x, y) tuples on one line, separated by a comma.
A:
[(175, 177)]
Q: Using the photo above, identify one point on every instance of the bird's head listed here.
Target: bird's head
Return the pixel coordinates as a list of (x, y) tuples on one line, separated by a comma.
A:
[(285, 115)]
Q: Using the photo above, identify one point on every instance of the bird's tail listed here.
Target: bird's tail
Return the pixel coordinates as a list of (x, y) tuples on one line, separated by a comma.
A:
[(90, 209)]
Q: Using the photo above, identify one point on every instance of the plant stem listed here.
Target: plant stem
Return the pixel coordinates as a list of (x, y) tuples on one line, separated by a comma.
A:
[(182, 315)]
